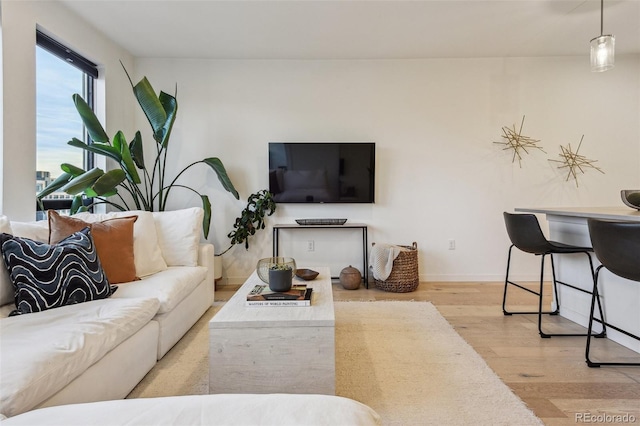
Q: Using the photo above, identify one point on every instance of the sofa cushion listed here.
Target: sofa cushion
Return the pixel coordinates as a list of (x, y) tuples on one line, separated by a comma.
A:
[(146, 251), (43, 352), (179, 235), (113, 239), (170, 286), (49, 276)]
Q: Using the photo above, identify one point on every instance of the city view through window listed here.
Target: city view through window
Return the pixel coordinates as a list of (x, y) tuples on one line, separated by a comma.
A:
[(57, 120)]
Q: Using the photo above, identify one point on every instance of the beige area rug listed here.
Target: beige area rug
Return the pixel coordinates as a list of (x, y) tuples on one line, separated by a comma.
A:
[(403, 359)]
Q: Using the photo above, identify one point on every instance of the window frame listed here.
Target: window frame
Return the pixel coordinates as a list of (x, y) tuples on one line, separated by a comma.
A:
[(90, 71)]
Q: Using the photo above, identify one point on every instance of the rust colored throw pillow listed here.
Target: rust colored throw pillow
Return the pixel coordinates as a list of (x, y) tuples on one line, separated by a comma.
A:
[(113, 239)]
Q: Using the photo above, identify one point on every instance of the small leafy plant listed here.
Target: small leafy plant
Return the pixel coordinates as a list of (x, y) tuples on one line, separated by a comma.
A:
[(280, 267), (252, 218)]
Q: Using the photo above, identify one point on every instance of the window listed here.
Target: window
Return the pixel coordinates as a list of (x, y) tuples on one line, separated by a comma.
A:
[(60, 73)]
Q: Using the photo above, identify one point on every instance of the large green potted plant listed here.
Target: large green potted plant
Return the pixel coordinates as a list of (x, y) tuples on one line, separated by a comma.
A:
[(144, 184)]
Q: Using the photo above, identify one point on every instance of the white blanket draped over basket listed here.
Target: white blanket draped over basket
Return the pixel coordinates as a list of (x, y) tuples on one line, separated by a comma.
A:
[(381, 259)]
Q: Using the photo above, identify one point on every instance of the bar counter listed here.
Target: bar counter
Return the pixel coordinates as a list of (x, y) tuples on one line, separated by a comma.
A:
[(620, 297), (608, 213)]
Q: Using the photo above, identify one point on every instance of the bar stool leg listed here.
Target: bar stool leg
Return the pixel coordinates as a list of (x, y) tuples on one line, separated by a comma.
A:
[(555, 286), (603, 333), (544, 335), (557, 311), (506, 285), (595, 298), (591, 319)]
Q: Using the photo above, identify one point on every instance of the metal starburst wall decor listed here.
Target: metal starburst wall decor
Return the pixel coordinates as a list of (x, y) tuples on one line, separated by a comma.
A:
[(516, 141), (575, 162)]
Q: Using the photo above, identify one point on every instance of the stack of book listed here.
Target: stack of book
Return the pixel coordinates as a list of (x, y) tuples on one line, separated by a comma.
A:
[(261, 295)]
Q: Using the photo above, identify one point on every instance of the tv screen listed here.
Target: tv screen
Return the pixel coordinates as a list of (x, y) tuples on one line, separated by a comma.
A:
[(326, 172)]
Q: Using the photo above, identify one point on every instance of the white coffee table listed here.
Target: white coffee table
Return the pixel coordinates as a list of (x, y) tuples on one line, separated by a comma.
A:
[(274, 349)]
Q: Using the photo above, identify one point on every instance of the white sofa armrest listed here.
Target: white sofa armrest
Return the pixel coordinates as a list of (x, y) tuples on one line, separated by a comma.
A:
[(205, 258)]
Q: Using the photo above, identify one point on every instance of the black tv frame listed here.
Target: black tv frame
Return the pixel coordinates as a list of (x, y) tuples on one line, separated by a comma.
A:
[(322, 172)]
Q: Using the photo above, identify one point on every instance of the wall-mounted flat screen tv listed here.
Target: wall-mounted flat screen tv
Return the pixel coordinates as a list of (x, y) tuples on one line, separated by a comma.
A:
[(322, 172)]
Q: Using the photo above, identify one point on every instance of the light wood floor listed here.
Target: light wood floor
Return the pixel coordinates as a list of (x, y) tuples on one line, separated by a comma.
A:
[(549, 375)]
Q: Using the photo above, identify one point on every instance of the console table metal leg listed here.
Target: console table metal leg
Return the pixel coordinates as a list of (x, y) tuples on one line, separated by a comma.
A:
[(365, 260), (275, 241)]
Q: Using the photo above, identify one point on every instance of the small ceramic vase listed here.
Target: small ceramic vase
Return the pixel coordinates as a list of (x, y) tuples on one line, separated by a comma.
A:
[(350, 278), (280, 279)]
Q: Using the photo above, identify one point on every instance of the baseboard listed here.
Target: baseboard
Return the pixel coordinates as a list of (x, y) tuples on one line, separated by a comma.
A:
[(237, 281), (479, 278)]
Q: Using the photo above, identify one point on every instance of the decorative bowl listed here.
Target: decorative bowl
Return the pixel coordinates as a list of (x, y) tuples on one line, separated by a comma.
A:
[(264, 265), (306, 274), (631, 197)]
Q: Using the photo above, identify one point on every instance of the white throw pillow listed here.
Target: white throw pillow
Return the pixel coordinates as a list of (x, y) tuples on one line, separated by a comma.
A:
[(36, 230), (179, 235), (146, 251), (6, 287)]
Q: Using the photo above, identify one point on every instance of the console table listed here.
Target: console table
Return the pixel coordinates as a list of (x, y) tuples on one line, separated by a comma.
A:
[(365, 260)]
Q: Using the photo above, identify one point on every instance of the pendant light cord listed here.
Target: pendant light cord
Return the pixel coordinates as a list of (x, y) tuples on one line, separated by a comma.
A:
[(601, 17)]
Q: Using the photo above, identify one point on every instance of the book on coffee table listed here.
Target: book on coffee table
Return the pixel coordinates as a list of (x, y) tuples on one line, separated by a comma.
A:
[(261, 295)]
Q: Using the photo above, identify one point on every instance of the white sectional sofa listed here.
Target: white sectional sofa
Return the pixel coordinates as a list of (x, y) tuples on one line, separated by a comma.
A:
[(206, 410), (99, 350)]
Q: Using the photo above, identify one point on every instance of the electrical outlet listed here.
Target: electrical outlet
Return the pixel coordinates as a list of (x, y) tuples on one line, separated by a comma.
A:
[(452, 244), (311, 245)]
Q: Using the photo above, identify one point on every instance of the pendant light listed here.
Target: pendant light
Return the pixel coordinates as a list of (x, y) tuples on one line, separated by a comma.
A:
[(602, 47)]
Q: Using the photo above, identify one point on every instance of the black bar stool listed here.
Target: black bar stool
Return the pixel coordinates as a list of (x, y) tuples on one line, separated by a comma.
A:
[(617, 247), (525, 234)]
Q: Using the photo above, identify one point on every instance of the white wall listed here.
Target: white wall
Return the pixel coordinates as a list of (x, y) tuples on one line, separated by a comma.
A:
[(18, 147), (439, 174)]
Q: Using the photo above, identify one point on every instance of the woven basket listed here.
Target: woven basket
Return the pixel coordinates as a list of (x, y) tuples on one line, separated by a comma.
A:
[(404, 274)]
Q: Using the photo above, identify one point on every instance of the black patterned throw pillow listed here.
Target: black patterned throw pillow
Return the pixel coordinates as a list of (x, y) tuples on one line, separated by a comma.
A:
[(47, 276)]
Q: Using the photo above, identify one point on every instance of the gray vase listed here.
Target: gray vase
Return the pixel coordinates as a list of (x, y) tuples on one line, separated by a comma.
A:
[(280, 280)]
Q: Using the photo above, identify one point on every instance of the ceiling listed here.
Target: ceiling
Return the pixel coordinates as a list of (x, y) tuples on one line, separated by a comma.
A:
[(360, 29)]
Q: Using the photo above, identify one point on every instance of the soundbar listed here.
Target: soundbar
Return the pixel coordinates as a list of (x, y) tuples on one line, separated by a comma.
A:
[(321, 221)]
